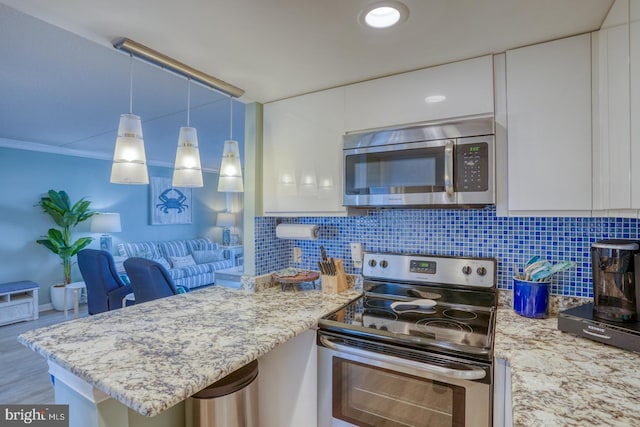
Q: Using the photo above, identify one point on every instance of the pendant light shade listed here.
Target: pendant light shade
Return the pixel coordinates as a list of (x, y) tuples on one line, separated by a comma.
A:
[(230, 180), (129, 160), (187, 171), (230, 169)]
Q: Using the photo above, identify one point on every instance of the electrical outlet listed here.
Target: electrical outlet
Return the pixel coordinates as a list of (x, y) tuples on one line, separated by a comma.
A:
[(297, 254), (356, 254)]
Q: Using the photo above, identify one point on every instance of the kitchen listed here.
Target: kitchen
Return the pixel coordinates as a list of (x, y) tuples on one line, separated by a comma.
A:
[(488, 233)]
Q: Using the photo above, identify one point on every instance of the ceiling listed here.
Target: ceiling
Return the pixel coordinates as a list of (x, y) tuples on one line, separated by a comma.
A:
[(67, 88)]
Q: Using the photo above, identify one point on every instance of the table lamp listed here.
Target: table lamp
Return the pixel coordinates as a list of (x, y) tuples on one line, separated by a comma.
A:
[(226, 220), (106, 223)]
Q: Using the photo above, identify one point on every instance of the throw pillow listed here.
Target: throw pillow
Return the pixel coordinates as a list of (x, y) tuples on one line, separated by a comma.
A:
[(144, 253), (182, 261), (204, 257), (163, 262)]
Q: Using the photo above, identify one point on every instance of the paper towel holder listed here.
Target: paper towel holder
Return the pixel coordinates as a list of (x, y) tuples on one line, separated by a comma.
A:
[(297, 231)]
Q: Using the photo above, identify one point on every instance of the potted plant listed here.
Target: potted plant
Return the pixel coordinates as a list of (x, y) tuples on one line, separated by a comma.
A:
[(66, 216)]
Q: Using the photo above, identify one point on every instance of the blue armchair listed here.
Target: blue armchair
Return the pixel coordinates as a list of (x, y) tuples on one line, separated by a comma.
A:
[(150, 280), (105, 288)]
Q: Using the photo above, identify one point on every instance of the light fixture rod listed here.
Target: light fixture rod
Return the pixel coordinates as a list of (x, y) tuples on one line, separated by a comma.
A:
[(188, 101), (231, 119), (155, 57), (130, 83)]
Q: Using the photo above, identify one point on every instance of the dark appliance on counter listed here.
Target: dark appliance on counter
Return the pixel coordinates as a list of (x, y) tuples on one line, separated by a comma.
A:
[(612, 318), (415, 350), (438, 164)]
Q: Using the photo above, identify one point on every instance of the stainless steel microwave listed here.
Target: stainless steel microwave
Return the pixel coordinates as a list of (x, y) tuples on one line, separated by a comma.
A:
[(443, 164)]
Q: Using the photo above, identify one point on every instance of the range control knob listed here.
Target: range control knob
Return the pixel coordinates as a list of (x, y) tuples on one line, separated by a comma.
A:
[(481, 271), (466, 270), (384, 264), (372, 263)]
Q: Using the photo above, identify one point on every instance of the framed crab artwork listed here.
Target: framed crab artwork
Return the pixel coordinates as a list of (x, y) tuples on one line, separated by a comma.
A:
[(169, 205)]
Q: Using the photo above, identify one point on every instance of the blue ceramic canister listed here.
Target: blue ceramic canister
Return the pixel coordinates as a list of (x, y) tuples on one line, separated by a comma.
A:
[(531, 299)]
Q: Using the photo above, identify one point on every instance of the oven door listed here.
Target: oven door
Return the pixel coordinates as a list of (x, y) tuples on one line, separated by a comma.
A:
[(358, 386), (416, 173)]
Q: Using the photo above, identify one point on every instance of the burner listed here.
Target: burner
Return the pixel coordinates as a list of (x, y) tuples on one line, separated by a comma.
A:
[(376, 302), (444, 324), (384, 314), (462, 315)]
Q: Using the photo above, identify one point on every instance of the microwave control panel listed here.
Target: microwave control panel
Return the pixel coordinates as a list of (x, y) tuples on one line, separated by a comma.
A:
[(472, 167)]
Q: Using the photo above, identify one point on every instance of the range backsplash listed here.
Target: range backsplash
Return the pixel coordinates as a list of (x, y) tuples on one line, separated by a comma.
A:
[(472, 232)]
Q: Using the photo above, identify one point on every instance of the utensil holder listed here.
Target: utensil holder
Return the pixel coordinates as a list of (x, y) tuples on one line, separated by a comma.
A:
[(531, 299), (335, 284)]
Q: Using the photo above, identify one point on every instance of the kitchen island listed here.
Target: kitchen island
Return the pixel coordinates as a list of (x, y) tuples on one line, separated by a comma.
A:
[(558, 379), (150, 357)]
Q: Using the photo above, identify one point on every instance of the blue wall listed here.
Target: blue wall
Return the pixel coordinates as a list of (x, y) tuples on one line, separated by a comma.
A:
[(28, 175), (452, 232)]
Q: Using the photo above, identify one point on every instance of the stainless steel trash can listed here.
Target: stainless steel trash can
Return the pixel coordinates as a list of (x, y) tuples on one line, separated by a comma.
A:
[(229, 402)]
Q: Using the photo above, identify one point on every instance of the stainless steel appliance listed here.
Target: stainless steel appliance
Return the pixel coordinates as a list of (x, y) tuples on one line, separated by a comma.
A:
[(614, 291), (415, 350), (612, 318), (445, 164)]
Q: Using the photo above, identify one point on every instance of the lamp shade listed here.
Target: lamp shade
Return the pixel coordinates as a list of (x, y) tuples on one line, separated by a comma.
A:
[(187, 171), (106, 223), (129, 160), (225, 219), (230, 169)]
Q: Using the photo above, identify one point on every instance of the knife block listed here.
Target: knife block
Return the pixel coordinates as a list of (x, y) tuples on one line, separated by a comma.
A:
[(335, 284)]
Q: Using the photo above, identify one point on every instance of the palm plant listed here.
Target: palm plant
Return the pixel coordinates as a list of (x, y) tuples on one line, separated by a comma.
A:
[(67, 217)]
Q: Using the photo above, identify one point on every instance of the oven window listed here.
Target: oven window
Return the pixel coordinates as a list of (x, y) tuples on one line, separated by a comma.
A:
[(419, 170), (369, 396)]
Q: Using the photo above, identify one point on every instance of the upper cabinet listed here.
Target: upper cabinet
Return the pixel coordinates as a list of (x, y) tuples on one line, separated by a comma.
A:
[(549, 126), (302, 156), (617, 134), (417, 97)]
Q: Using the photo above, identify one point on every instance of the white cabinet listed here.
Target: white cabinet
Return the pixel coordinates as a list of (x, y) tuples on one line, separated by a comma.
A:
[(302, 159), (287, 383), (617, 147), (634, 91), (549, 126), (400, 99), (502, 405)]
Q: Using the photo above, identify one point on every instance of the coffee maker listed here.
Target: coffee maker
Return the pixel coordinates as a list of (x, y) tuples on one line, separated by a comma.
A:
[(613, 316), (614, 268)]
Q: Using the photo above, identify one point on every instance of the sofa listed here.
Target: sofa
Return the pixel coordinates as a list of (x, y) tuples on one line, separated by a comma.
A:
[(191, 263)]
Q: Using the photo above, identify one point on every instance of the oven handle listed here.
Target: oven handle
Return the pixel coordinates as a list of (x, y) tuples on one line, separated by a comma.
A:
[(467, 374), (448, 168)]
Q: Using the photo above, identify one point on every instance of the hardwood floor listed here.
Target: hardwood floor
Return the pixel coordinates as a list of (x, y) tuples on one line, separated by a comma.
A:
[(24, 376)]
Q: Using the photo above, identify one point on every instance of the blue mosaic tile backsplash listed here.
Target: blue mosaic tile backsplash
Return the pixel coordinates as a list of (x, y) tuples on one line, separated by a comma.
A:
[(472, 232)]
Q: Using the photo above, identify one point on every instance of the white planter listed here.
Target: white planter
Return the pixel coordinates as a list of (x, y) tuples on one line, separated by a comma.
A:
[(58, 300)]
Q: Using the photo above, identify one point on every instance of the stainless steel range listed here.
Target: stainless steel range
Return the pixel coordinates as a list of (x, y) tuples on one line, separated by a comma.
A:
[(415, 350)]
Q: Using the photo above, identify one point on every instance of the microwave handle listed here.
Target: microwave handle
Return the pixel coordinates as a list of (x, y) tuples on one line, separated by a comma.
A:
[(448, 168)]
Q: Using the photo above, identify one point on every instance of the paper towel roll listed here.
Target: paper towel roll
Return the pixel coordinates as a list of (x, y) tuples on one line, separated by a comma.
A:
[(297, 231)]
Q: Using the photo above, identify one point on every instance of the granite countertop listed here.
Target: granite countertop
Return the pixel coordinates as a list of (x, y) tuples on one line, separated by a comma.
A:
[(152, 356), (559, 379)]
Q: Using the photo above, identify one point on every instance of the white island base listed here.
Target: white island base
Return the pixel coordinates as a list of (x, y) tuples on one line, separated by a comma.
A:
[(287, 393)]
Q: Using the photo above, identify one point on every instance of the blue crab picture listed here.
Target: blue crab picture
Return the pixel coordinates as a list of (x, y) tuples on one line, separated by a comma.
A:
[(172, 198)]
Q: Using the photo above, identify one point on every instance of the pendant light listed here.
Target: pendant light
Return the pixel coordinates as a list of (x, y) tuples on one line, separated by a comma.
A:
[(129, 160), (230, 168), (187, 171)]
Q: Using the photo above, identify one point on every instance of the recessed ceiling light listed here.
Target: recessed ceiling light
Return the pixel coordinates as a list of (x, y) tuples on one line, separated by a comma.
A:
[(434, 98), (383, 14)]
